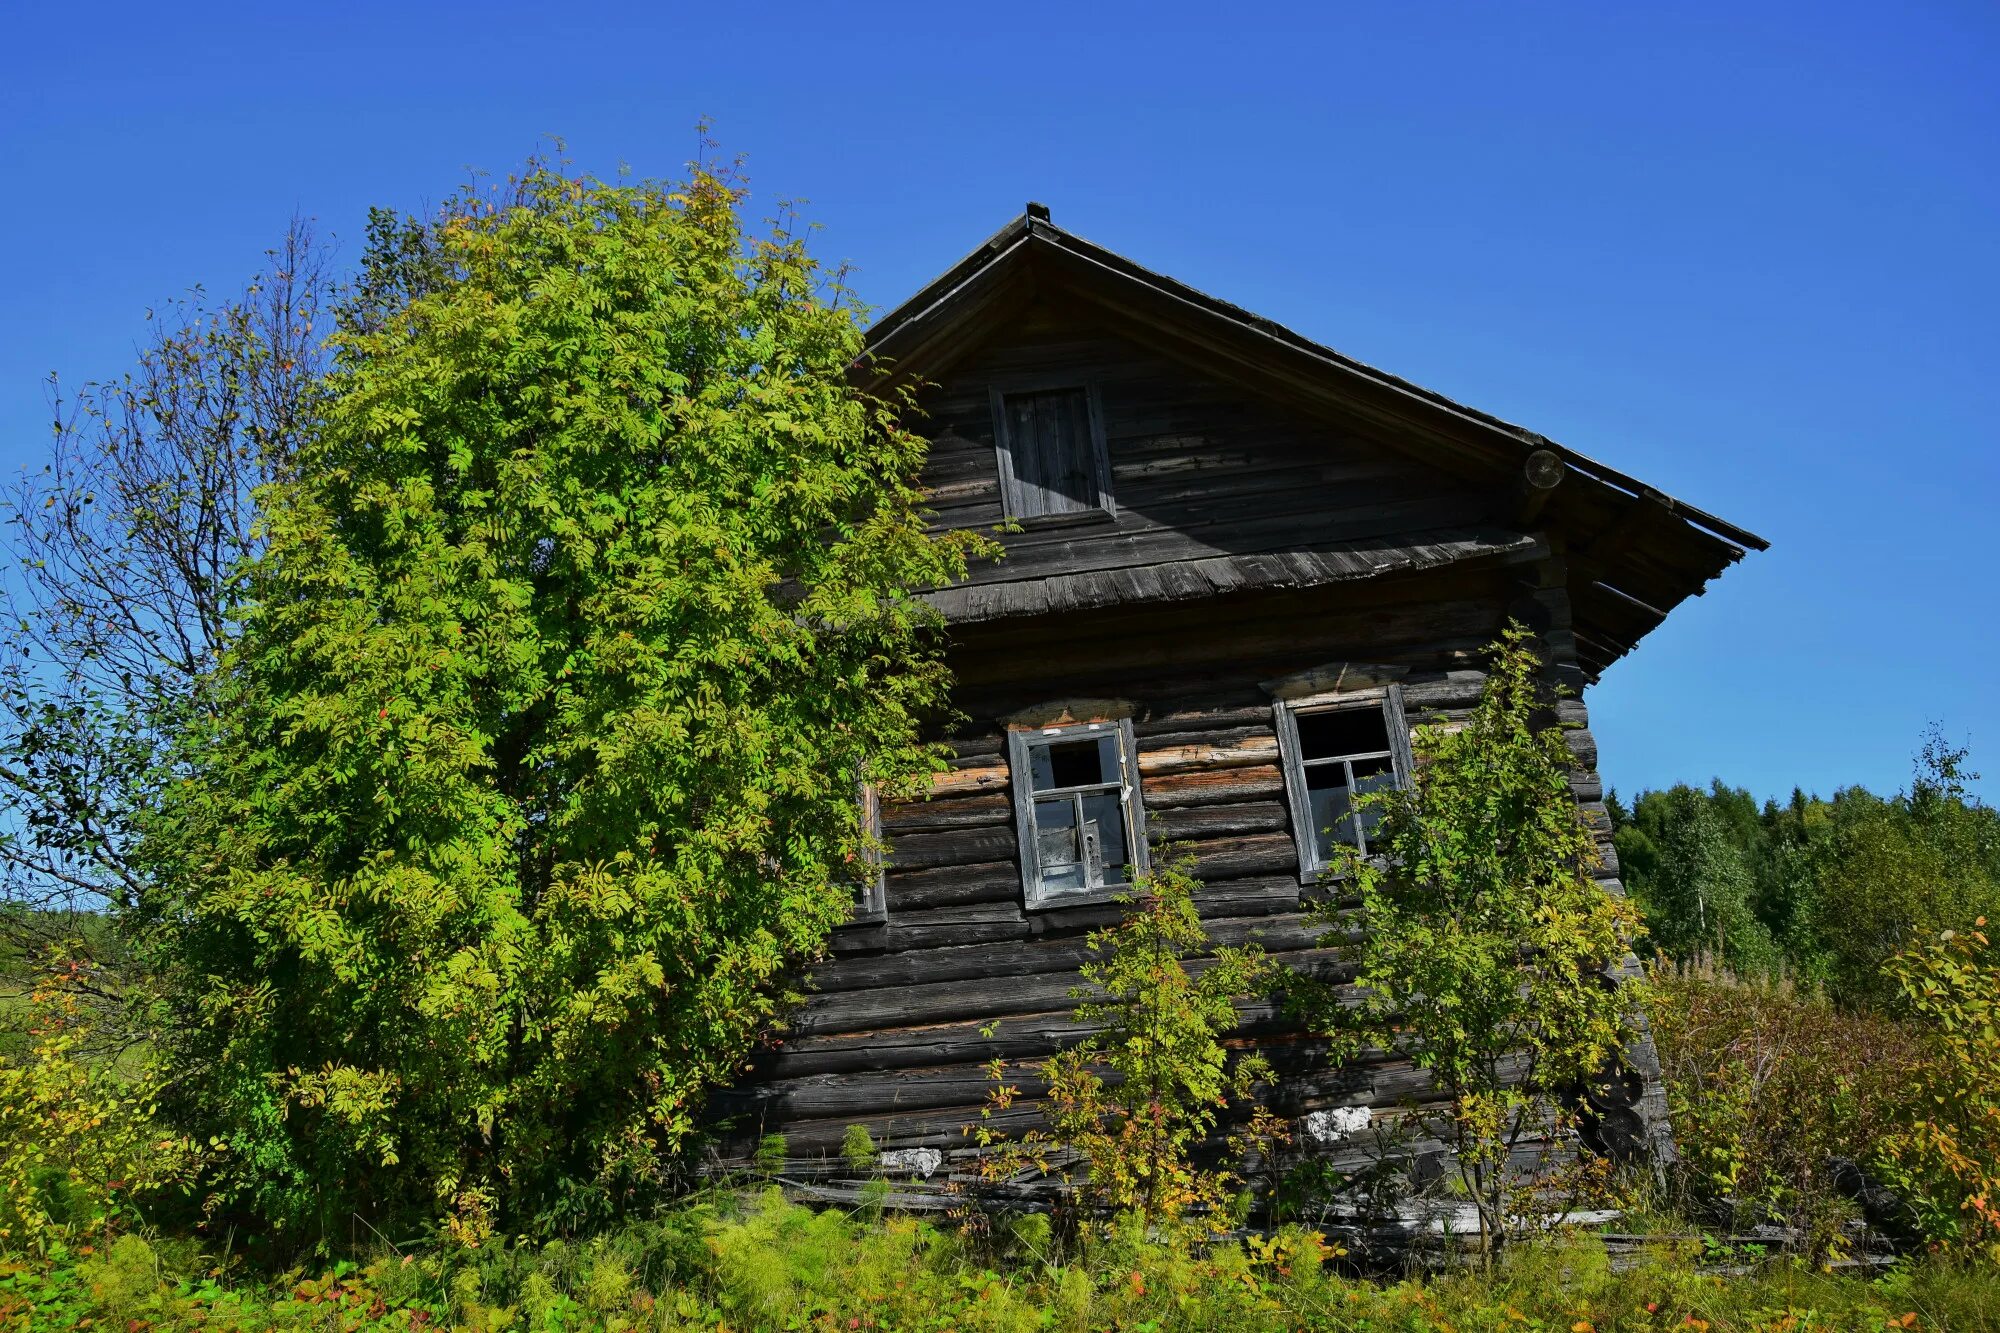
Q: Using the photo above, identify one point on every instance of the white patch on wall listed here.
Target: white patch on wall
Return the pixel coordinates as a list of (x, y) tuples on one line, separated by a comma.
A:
[(913, 1161), (1342, 1122)]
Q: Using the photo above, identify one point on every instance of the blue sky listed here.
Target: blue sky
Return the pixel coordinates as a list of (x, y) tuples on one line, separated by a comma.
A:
[(1750, 253)]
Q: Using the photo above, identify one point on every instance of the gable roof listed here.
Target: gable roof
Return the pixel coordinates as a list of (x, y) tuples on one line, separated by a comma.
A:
[(1634, 552)]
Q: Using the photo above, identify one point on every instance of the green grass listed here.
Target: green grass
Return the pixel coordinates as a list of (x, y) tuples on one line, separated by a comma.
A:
[(757, 1262)]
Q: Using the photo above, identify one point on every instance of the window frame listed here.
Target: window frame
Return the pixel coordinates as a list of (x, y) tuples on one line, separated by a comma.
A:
[(1286, 714), (871, 892), (1020, 741), (1099, 459)]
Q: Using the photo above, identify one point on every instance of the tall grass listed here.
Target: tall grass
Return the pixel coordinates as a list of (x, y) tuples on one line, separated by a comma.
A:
[(1774, 1094), (761, 1263)]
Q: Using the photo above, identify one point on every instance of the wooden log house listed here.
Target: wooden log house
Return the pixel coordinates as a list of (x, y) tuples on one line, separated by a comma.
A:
[(1244, 566)]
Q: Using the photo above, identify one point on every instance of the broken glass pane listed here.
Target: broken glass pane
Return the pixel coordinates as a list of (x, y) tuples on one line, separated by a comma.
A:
[(1342, 732), (1372, 775), (1084, 762), (1332, 818), (1057, 849), (1104, 836)]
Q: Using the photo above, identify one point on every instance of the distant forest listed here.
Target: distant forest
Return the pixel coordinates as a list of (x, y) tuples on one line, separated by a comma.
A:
[(1820, 890)]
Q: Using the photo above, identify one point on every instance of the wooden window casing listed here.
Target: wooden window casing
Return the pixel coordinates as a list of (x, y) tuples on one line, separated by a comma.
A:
[(1077, 811), (1053, 459), (871, 886), (1338, 770)]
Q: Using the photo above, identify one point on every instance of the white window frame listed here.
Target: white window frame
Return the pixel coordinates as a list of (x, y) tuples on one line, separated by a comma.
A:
[(1291, 752), (1020, 741)]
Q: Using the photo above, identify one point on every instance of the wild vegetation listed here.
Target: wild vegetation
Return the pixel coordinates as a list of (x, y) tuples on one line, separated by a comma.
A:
[(1133, 1104), (1487, 940), (758, 1262), (1824, 1002), (431, 727)]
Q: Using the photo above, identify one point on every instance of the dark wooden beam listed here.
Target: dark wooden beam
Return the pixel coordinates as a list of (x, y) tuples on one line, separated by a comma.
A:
[(1540, 475)]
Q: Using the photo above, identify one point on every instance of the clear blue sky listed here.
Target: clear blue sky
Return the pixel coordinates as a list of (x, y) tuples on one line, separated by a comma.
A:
[(1750, 253)]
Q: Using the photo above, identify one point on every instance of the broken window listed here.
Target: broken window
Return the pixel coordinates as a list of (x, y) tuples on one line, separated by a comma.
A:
[(1335, 754), (1052, 457), (1076, 800)]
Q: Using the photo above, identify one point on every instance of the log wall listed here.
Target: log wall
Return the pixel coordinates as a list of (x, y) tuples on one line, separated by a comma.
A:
[(1178, 613), (903, 1018)]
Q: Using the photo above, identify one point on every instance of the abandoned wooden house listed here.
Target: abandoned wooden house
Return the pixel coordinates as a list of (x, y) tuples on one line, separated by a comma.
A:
[(1242, 568)]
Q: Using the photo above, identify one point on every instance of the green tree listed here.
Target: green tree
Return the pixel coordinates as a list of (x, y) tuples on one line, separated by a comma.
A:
[(1788, 882), (1488, 942), (587, 603), (1696, 885), (1894, 873), (123, 552), (1832, 888)]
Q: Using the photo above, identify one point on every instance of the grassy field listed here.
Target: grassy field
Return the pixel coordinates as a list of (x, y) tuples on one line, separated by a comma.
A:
[(757, 1262)]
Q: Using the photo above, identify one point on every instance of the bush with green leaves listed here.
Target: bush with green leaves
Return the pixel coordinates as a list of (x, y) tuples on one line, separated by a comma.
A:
[(585, 606), (1944, 1158), (1769, 1089), (82, 1155), (1135, 1102), (1487, 941)]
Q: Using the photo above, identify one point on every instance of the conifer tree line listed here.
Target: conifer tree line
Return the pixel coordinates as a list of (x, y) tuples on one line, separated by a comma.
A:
[(1824, 890)]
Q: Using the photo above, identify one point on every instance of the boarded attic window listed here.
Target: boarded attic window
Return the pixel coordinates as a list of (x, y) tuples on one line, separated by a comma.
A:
[(1077, 807), (1052, 457), (1334, 754)]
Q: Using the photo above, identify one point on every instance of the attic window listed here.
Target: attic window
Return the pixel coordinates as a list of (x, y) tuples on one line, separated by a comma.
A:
[(1052, 455), (1076, 800), (1334, 754)]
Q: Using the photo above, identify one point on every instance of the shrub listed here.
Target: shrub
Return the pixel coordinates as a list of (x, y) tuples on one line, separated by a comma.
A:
[(1768, 1089), (858, 1150), (1945, 1157), (1165, 1076), (81, 1154), (1487, 940)]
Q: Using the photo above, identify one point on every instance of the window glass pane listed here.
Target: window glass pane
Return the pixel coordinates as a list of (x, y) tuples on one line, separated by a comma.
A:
[(1372, 775), (1056, 846), (1329, 808), (1082, 762), (1342, 731), (1104, 836)]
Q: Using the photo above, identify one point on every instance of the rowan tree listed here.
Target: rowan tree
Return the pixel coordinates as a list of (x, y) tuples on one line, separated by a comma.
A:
[(580, 615)]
